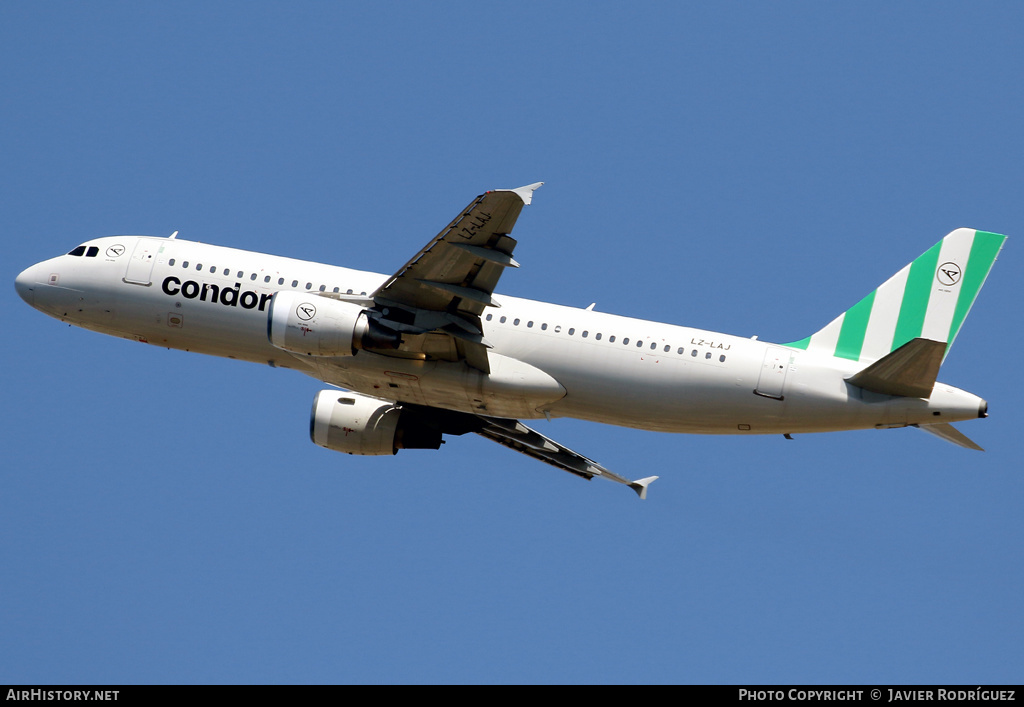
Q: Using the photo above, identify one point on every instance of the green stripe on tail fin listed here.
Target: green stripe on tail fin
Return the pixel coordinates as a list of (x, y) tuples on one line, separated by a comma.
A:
[(928, 299), (984, 252)]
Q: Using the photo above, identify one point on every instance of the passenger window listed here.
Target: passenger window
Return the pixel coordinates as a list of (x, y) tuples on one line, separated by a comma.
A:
[(558, 329), (694, 353), (80, 250), (544, 326), (503, 319), (572, 331), (654, 345), (253, 276), (612, 338), (529, 324), (91, 253), (515, 322), (335, 290), (667, 348), (639, 344), (171, 261), (625, 342), (240, 274), (323, 288), (722, 358), (309, 285), (199, 266), (680, 351), (707, 355), (597, 336), (184, 264), (490, 317), (266, 278)]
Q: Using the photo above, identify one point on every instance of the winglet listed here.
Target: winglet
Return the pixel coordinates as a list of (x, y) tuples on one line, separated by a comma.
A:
[(640, 486), (526, 193)]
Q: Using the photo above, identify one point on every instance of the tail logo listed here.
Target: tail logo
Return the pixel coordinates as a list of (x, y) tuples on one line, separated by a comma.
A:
[(948, 274)]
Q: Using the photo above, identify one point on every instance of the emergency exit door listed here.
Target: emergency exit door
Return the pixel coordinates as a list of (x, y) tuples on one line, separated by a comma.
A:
[(140, 266), (773, 373)]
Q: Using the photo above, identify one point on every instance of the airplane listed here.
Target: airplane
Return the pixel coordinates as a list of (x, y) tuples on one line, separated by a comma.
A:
[(432, 350)]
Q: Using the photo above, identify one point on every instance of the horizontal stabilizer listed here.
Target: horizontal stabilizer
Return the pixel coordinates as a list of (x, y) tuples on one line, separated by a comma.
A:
[(909, 371), (951, 434)]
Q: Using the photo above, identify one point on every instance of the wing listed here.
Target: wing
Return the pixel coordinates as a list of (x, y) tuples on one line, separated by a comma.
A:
[(515, 435), (435, 300)]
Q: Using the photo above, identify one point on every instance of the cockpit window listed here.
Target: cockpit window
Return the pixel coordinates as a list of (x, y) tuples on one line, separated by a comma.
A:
[(80, 250), (91, 253)]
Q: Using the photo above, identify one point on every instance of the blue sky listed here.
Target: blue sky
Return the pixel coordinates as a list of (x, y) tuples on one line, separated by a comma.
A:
[(748, 168)]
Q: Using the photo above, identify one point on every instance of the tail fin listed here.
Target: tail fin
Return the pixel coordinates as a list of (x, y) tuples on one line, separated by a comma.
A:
[(928, 299)]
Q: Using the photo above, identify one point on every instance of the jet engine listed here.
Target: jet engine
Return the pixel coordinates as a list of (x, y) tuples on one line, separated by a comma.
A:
[(320, 326), (358, 424)]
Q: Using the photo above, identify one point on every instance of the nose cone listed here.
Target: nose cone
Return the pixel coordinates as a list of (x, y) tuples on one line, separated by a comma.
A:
[(25, 284)]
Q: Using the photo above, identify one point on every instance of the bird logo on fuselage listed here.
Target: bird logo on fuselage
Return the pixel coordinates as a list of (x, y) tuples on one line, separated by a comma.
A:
[(305, 311)]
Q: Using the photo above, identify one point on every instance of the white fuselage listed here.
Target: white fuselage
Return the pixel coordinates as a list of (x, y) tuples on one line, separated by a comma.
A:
[(613, 369)]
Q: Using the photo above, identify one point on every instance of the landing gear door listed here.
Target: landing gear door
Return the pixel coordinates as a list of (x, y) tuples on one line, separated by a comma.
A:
[(140, 267), (773, 373)]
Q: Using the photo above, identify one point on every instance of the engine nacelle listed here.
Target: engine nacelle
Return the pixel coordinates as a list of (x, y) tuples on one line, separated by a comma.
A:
[(321, 326), (358, 424)]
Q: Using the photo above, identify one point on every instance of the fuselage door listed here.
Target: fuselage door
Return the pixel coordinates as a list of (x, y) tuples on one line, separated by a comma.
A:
[(140, 267), (773, 373)]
